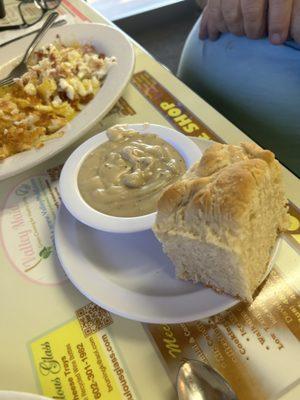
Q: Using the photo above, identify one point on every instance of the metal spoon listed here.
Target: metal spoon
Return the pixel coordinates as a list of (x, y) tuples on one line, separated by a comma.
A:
[(198, 381)]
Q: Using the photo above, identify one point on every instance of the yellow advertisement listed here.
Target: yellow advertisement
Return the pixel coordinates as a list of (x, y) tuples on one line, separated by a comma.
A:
[(71, 365)]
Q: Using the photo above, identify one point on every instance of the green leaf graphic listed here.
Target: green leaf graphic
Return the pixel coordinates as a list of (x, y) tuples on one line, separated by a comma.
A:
[(44, 253)]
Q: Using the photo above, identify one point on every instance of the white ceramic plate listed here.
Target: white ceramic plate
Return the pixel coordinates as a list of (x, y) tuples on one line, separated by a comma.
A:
[(106, 39), (129, 275), (10, 395), (71, 196)]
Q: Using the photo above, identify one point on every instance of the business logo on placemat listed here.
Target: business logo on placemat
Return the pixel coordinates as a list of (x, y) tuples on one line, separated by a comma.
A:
[(27, 228), (70, 365), (172, 109)]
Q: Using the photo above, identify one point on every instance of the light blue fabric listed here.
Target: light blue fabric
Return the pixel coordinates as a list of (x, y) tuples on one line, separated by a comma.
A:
[(254, 84)]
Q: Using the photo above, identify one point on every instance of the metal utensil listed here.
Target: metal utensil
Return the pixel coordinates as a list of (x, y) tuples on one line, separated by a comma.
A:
[(198, 381), (2, 9), (21, 68), (61, 22)]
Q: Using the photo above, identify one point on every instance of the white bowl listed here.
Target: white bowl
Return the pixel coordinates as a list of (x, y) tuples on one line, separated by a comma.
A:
[(74, 202)]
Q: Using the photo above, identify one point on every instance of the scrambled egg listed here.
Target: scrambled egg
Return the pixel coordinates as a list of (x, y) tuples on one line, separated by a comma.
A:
[(60, 81)]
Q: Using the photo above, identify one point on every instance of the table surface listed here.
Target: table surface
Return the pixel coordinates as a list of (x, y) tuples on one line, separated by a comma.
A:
[(27, 333)]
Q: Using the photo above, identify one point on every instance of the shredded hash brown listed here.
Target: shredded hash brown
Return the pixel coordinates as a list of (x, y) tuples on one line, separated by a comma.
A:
[(60, 81)]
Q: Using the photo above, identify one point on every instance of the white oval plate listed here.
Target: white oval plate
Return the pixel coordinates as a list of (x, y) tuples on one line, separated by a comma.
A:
[(129, 275), (106, 39)]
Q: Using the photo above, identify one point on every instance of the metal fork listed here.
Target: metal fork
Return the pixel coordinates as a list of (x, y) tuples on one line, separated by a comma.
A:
[(21, 68)]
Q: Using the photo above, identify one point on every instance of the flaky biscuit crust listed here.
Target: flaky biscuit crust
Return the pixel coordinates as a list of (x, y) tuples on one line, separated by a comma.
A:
[(221, 185)]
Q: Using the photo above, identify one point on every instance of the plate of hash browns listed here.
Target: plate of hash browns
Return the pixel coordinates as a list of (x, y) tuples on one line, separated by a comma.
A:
[(74, 77)]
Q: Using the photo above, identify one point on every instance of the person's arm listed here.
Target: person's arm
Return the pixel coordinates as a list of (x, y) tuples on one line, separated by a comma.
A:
[(295, 22), (252, 18), (201, 3)]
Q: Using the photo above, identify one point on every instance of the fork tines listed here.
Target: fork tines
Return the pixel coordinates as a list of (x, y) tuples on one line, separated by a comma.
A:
[(6, 81)]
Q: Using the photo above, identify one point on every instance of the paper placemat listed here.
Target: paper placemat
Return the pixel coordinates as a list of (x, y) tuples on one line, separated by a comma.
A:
[(66, 347)]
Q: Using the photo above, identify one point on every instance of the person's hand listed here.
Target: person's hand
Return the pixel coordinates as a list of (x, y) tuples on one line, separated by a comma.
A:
[(252, 18)]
